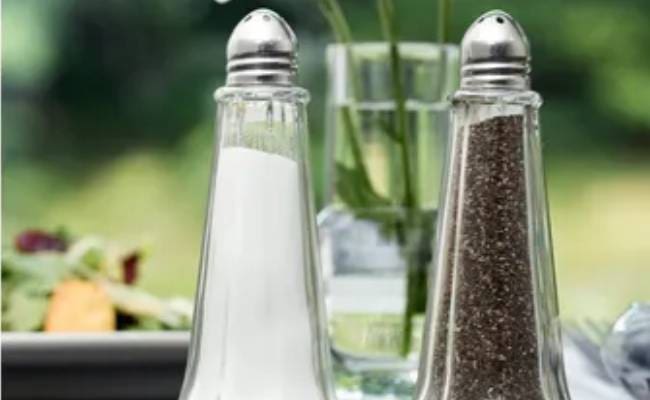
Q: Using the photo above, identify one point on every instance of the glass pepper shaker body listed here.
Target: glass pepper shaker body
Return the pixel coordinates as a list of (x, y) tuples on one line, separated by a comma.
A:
[(492, 330), (259, 320)]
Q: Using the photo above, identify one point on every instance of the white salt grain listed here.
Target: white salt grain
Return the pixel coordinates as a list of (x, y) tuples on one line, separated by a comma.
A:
[(257, 325)]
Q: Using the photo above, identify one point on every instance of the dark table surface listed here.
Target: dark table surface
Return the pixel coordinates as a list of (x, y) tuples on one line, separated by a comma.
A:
[(124, 366)]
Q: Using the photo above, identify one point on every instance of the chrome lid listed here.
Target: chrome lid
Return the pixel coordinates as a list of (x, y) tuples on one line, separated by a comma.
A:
[(262, 51), (495, 53)]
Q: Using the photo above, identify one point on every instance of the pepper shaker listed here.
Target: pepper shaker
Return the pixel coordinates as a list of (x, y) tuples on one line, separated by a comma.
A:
[(492, 329)]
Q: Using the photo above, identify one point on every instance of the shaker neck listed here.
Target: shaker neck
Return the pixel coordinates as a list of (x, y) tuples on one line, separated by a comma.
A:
[(293, 94), (496, 94), (270, 119), (471, 80)]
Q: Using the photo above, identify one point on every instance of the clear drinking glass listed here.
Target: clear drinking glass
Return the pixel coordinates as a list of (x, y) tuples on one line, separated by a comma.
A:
[(377, 226)]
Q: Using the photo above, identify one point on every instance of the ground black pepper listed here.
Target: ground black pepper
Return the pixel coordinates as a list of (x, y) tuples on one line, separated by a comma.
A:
[(491, 350)]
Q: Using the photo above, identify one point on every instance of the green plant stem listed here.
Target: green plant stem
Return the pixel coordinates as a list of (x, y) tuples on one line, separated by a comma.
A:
[(389, 27), (444, 29), (444, 21), (410, 202), (334, 14), (357, 155)]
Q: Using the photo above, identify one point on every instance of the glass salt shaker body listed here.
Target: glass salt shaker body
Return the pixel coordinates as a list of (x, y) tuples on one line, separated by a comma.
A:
[(259, 323), (492, 330)]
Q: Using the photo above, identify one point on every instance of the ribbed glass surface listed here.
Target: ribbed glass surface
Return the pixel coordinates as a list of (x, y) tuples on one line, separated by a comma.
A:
[(259, 322), (492, 329)]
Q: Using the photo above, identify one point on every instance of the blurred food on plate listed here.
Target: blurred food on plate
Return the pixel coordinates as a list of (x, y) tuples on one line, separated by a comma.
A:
[(56, 282)]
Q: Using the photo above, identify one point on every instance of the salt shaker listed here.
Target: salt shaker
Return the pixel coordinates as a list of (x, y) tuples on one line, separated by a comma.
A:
[(259, 326), (492, 329)]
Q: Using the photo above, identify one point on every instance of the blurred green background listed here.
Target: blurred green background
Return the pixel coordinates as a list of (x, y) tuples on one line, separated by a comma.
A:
[(107, 121)]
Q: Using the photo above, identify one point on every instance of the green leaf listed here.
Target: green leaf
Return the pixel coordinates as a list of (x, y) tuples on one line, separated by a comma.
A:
[(353, 188), (146, 323), (147, 308), (44, 270), (24, 311), (93, 258), (389, 129)]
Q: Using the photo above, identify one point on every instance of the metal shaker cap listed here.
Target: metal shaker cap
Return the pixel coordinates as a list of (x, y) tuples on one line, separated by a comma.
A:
[(495, 53), (262, 51)]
